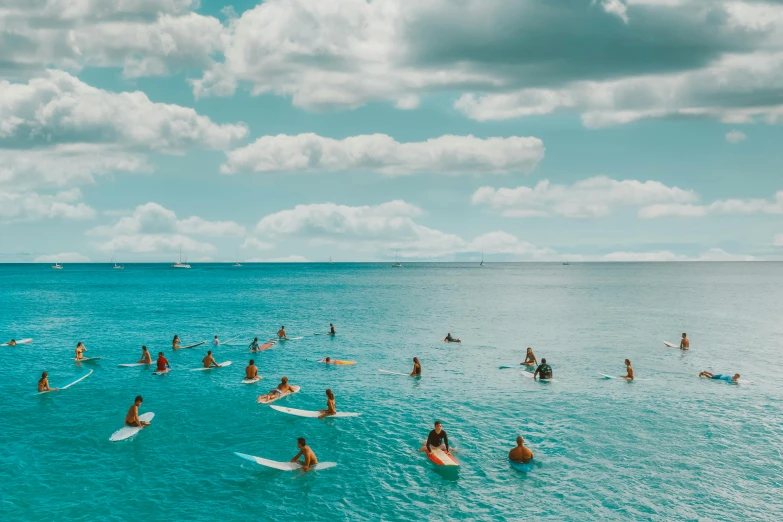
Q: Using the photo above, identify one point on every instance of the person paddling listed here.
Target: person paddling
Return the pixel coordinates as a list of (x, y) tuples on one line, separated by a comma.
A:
[(450, 339), (416, 368), (530, 358), (720, 377), (521, 453), (12, 342), (162, 364), (132, 418), (544, 371), (146, 358), (282, 389), (209, 361), (251, 371), (43, 383), (330, 406), (308, 456)]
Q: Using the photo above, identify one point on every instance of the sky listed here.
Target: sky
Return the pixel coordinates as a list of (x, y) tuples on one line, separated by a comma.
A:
[(432, 130)]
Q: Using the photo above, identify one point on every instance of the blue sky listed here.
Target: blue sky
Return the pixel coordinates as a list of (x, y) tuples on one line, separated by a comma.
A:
[(604, 130)]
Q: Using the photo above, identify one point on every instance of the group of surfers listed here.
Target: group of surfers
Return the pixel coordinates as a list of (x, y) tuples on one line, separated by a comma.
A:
[(438, 438)]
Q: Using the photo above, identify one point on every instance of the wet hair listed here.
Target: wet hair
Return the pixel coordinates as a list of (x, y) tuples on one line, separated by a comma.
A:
[(329, 393), (44, 374), (216, 337), (252, 361), (160, 354), (282, 327), (176, 336), (284, 379), (209, 352), (438, 423), (255, 338), (301, 441), (143, 347), (684, 334), (138, 399), (628, 362), (529, 349), (415, 359), (543, 361), (328, 359)]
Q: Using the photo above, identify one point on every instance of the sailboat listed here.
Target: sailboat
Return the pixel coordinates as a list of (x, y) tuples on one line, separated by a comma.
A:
[(118, 267), (482, 259), (396, 263), (57, 265), (237, 261), (180, 264), (330, 260)]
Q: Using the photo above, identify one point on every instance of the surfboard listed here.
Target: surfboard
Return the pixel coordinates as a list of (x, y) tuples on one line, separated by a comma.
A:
[(129, 431), (71, 383), (393, 373), (265, 346), (442, 458), (530, 374), (231, 340), (335, 361), (290, 338), (85, 359), (283, 466), (132, 365), (222, 365), (311, 414), (321, 333), (525, 467), (191, 346), (21, 341), (270, 401), (670, 345), (164, 372), (251, 381)]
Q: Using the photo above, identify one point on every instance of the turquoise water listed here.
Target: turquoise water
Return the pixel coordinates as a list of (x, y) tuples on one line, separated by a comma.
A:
[(673, 447)]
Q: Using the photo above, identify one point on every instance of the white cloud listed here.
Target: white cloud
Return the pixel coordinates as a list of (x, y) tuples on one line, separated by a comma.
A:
[(615, 7), (252, 242), (717, 254), (726, 206), (379, 152), (149, 243), (31, 206), (713, 254), (735, 136), (286, 259), (64, 257), (500, 242), (593, 197), (201, 227)]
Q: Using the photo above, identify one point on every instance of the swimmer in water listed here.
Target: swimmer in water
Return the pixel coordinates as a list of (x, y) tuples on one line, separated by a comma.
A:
[(544, 371), (520, 453), (685, 344), (132, 418), (328, 360), (162, 365), (450, 339), (209, 361), (332, 330), (254, 345), (80, 349), (629, 375), (308, 457), (43, 383), (330, 407), (251, 371), (176, 343), (281, 333), (146, 358), (720, 376), (12, 342), (437, 438), (282, 389), (416, 368), (216, 341), (530, 358)]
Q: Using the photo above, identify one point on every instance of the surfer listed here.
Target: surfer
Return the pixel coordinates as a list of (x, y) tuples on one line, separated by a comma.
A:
[(162, 364), (145, 356), (132, 418), (254, 345), (328, 360), (308, 457), (520, 453), (12, 342), (282, 389), (720, 376), (332, 330), (251, 371), (685, 344), (628, 376), (176, 343), (330, 407), (80, 349), (530, 358), (216, 341), (416, 368), (43, 383), (281, 333), (209, 361), (450, 339), (543, 371), (437, 438)]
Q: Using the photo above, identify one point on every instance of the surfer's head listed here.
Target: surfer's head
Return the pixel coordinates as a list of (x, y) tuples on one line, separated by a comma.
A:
[(416, 360), (543, 361), (529, 349), (736, 377), (328, 359), (209, 352), (330, 394), (160, 354), (684, 335), (301, 442), (284, 380), (438, 426), (520, 440), (628, 362), (252, 362), (138, 400), (44, 375), (143, 348)]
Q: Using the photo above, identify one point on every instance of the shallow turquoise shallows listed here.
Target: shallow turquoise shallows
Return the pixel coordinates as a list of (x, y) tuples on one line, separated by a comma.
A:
[(670, 446)]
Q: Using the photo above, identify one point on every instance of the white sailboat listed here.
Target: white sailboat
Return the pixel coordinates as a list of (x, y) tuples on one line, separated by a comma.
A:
[(57, 266), (482, 259), (116, 266), (330, 260), (237, 263), (396, 263), (180, 264)]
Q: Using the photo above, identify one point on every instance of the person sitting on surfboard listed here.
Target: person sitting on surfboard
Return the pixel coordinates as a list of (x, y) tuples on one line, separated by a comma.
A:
[(43, 383), (132, 418), (330, 406), (308, 457), (437, 438), (254, 345), (628, 376), (332, 330), (251, 370), (175, 343), (416, 368), (685, 344), (209, 361), (80, 349), (281, 390), (530, 358), (520, 453), (281, 333), (720, 376), (145, 356), (216, 341), (450, 339), (544, 370), (162, 363)]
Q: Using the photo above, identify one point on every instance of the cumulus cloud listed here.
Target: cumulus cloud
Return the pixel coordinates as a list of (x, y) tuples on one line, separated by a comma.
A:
[(593, 197), (252, 242), (64, 257), (379, 152), (735, 136), (149, 243), (725, 206), (31, 206), (500, 242)]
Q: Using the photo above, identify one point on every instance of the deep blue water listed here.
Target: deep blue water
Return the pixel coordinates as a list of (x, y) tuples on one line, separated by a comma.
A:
[(671, 447)]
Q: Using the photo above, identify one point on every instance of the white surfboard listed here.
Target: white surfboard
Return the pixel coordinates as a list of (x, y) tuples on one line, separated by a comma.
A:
[(71, 383), (164, 372), (530, 374), (290, 338), (132, 365), (230, 340), (222, 365), (310, 413), (387, 372), (283, 466), (191, 346), (21, 341), (85, 359), (442, 458), (251, 381), (270, 401), (670, 345), (129, 431)]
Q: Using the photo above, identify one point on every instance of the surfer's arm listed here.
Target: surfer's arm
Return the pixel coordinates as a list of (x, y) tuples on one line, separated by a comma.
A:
[(446, 440), (296, 457)]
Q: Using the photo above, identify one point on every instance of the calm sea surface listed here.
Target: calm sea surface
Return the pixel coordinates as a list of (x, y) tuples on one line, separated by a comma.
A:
[(669, 447)]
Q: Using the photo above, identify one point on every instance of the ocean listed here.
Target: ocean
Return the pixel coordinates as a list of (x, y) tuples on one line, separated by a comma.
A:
[(670, 446)]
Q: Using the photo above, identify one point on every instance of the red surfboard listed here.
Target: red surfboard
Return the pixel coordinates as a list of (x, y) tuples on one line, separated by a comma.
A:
[(442, 458)]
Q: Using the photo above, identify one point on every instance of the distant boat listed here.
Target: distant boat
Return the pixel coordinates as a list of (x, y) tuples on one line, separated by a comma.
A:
[(180, 264), (118, 267), (330, 260), (58, 266), (237, 261), (482, 259), (396, 263)]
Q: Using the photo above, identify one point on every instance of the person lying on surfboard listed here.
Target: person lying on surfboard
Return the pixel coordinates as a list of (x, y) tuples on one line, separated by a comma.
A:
[(254, 345), (685, 344), (216, 341), (146, 358), (330, 406), (80, 349), (520, 453), (308, 457), (530, 358), (450, 339), (544, 370), (12, 342), (629, 375), (162, 363), (416, 368), (720, 376), (281, 333), (176, 343), (43, 383), (132, 418), (281, 390), (437, 438), (209, 361), (251, 370)]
